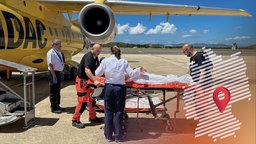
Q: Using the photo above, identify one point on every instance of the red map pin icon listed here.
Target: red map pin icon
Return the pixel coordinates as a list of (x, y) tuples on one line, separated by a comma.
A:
[(221, 104)]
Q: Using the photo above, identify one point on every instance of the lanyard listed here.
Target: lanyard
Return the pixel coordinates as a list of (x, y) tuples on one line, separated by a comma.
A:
[(60, 57)]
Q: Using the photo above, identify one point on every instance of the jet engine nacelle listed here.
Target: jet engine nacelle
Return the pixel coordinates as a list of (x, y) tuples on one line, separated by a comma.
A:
[(97, 22)]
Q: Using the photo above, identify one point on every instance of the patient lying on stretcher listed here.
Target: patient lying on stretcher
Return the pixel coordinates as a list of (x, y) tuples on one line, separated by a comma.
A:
[(148, 78)]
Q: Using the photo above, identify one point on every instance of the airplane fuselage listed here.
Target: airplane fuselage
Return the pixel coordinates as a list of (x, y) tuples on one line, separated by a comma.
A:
[(27, 29)]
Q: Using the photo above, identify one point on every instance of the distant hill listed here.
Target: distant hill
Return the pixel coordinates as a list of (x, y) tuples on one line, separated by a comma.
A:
[(197, 45), (251, 46), (204, 45)]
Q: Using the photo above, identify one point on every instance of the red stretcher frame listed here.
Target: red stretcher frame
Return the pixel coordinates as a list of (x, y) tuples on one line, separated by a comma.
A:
[(177, 87)]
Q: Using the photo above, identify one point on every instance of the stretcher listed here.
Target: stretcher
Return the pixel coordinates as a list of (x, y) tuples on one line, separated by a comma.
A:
[(177, 87), (142, 91)]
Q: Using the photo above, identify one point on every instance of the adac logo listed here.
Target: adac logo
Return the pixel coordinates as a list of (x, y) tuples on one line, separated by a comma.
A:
[(16, 33)]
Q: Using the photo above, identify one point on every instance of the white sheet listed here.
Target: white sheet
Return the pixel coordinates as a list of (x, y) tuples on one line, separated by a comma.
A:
[(148, 78)]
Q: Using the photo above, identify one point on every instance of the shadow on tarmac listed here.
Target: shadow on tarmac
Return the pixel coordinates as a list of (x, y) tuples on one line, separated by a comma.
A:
[(17, 127), (150, 128)]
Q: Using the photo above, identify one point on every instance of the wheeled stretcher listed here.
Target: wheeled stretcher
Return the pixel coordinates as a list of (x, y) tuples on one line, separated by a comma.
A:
[(177, 87), (143, 91)]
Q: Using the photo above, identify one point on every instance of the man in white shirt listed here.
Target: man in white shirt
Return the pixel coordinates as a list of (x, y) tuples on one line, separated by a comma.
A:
[(115, 70), (55, 66)]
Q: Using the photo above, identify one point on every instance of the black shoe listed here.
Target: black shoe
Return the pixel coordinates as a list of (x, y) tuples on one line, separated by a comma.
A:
[(78, 124), (110, 139), (59, 108), (120, 139), (56, 111), (96, 119)]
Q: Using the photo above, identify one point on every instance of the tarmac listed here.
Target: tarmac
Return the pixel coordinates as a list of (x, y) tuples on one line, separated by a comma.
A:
[(50, 128)]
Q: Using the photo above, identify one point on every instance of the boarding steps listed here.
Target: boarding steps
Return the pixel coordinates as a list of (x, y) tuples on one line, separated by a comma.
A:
[(14, 106)]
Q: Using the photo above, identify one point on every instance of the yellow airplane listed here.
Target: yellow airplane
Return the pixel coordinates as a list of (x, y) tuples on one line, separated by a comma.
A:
[(27, 27)]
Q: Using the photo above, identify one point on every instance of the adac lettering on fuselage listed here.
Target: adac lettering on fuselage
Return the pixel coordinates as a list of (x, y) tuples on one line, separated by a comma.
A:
[(27, 34)]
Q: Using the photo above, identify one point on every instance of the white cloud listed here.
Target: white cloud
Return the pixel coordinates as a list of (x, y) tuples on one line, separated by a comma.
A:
[(205, 31), (228, 39), (238, 38), (186, 36), (193, 31), (156, 30), (139, 29), (241, 37), (163, 28), (168, 28), (121, 29)]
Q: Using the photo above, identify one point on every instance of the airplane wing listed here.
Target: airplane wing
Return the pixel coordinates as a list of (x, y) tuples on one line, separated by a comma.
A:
[(143, 8)]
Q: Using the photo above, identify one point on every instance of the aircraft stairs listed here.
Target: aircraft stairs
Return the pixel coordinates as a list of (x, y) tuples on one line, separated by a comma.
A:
[(14, 106)]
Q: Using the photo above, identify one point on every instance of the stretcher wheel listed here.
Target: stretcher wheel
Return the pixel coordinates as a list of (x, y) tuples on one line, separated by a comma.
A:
[(169, 128), (165, 117), (169, 125)]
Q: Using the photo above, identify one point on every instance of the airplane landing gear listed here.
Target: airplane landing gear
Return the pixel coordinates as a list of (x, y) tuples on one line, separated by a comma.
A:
[(70, 72)]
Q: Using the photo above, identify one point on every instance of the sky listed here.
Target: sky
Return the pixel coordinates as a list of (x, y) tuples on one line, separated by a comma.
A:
[(191, 29)]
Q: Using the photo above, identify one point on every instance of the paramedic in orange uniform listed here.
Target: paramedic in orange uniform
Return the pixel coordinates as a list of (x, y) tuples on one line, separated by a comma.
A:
[(86, 70)]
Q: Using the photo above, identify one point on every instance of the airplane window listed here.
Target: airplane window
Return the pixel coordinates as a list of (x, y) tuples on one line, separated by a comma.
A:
[(68, 33), (73, 35), (17, 25), (31, 29), (40, 8), (50, 29), (56, 32), (63, 35)]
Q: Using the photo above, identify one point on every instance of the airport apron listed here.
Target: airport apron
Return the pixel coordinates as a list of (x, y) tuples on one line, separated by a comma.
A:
[(84, 92)]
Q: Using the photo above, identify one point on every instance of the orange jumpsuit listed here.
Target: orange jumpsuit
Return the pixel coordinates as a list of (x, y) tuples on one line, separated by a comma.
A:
[(84, 93)]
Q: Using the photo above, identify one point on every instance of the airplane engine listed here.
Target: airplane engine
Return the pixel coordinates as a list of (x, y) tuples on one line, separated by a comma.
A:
[(97, 22)]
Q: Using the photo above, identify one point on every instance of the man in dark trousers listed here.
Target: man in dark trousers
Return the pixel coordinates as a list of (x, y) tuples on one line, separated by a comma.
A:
[(200, 68), (86, 71), (55, 66)]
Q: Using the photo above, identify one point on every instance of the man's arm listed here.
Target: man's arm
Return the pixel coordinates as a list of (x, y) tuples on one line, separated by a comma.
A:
[(201, 76), (92, 77), (52, 70)]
